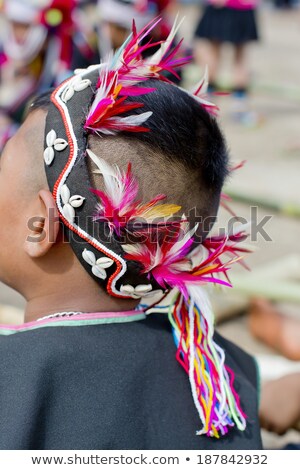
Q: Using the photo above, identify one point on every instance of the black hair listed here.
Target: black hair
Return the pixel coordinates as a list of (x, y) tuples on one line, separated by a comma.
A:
[(183, 131), (40, 101)]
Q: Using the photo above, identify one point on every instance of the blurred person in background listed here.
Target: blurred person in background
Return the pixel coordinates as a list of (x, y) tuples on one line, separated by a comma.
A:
[(116, 20), (280, 398), (37, 51), (275, 328), (116, 17), (85, 37), (284, 4), (280, 405), (233, 22)]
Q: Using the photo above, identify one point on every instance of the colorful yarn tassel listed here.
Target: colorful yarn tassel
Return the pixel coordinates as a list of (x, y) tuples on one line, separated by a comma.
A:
[(203, 360)]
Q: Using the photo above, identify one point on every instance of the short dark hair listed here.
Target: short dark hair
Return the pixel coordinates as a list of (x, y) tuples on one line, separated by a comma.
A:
[(183, 131)]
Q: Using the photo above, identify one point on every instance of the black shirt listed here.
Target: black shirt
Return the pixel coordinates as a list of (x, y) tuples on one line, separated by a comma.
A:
[(110, 386)]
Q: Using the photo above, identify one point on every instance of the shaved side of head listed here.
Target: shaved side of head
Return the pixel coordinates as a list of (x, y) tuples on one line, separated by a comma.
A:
[(35, 176)]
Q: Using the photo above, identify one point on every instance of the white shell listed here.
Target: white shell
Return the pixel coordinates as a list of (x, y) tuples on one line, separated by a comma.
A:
[(49, 155), (65, 194), (68, 94), (99, 272), (104, 262), (50, 139), (143, 289), (60, 144), (76, 80), (94, 67), (128, 289), (89, 257), (78, 71), (82, 85), (76, 200), (69, 212)]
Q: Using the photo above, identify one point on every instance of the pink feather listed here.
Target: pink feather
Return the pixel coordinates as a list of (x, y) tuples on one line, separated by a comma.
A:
[(169, 259)]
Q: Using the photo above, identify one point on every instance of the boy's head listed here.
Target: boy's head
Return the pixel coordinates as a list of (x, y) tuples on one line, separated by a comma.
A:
[(181, 155)]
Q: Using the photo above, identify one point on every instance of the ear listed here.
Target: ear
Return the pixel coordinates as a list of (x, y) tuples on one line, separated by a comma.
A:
[(44, 228)]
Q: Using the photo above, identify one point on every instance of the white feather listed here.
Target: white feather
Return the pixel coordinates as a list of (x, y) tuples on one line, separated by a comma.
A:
[(132, 249), (112, 178), (102, 91), (204, 81), (178, 245), (134, 120), (198, 255), (157, 57), (192, 367), (103, 130), (240, 228), (201, 299)]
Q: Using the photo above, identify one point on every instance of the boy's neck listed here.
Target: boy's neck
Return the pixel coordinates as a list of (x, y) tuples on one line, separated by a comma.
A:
[(49, 304)]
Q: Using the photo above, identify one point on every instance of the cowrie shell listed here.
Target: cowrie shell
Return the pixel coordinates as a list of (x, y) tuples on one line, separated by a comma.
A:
[(76, 200), (78, 71), (49, 155), (143, 289), (99, 272), (94, 67), (65, 194), (68, 94), (60, 144), (75, 80), (127, 289), (104, 262), (50, 138), (69, 212), (82, 85), (89, 257)]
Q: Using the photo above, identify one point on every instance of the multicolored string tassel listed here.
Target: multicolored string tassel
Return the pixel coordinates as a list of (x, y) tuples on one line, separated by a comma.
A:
[(211, 380)]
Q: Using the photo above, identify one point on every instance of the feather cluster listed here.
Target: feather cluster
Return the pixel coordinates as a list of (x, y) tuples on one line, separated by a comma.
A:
[(119, 205), (172, 262), (121, 73)]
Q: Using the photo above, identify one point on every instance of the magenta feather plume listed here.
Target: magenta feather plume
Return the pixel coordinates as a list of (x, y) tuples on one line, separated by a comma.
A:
[(127, 68), (171, 261)]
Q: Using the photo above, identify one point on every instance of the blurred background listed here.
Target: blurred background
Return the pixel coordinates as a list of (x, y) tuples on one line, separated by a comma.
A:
[(253, 53)]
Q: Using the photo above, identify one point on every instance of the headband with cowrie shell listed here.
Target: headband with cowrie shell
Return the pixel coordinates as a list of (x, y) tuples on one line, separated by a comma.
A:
[(94, 101), (68, 177)]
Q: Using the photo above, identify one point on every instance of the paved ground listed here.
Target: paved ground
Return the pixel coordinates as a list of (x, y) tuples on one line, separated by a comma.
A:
[(272, 170)]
